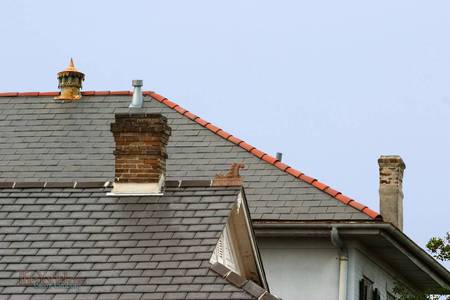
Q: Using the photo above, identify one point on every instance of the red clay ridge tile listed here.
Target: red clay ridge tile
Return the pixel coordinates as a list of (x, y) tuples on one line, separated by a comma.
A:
[(121, 93), (307, 179), (234, 140), (281, 166), (102, 93), (371, 213), (344, 199), (157, 97), (212, 128), (28, 94), (294, 172), (331, 192), (190, 115), (223, 134), (246, 146), (257, 152), (269, 159), (169, 103), (44, 94), (357, 205), (9, 94), (180, 109), (321, 186), (337, 195), (201, 122)]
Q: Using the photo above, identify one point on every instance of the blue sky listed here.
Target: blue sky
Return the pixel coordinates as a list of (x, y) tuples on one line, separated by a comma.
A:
[(331, 84)]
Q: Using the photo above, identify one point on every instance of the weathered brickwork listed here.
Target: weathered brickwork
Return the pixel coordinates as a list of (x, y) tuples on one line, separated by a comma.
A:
[(141, 141), (391, 189)]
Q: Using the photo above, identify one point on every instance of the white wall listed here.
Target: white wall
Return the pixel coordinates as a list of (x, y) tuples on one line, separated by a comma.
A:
[(300, 268), (308, 268), (362, 263)]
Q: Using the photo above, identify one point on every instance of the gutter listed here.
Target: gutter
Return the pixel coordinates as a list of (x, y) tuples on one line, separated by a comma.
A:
[(393, 235)]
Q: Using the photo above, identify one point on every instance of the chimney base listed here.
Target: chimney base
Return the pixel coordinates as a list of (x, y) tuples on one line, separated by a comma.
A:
[(131, 188)]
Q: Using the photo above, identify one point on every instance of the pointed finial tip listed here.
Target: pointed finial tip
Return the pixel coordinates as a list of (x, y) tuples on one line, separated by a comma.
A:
[(71, 66)]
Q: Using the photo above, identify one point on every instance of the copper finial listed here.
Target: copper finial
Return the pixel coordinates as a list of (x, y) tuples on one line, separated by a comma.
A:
[(70, 83)]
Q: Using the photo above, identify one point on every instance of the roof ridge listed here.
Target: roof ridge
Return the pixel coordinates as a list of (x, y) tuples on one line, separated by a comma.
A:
[(227, 136), (266, 157), (49, 94)]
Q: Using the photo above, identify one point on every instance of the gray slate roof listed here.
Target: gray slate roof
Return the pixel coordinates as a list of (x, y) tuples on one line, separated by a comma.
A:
[(41, 140), (140, 247)]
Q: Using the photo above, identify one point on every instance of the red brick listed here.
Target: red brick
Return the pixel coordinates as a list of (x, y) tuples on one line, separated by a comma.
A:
[(135, 158)]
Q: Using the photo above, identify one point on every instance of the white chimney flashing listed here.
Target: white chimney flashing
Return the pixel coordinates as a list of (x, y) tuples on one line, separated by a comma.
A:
[(137, 189)]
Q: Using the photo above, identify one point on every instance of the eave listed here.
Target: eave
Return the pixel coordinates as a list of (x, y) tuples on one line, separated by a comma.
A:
[(383, 239)]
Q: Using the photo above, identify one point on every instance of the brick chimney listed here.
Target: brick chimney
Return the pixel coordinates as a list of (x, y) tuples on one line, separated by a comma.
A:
[(140, 154), (391, 189)]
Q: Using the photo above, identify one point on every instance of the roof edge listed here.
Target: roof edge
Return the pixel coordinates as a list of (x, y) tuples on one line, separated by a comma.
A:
[(267, 158), (248, 286), (229, 137), (50, 94), (388, 231)]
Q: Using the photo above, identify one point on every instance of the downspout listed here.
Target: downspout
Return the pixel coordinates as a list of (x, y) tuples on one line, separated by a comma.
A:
[(343, 262)]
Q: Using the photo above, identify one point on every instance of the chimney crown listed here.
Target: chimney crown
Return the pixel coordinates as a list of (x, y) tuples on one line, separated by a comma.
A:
[(70, 83)]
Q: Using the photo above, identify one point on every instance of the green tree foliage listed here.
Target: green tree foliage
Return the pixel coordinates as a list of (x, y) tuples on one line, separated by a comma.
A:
[(440, 249)]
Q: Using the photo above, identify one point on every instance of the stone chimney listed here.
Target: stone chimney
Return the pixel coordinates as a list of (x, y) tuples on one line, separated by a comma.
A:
[(391, 189), (140, 154), (70, 83)]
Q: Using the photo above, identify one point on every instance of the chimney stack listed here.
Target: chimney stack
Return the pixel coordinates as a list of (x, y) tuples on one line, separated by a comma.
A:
[(391, 189), (140, 154), (70, 83)]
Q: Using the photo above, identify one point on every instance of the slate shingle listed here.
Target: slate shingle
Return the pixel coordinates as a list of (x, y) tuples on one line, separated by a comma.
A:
[(134, 260), (73, 142)]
